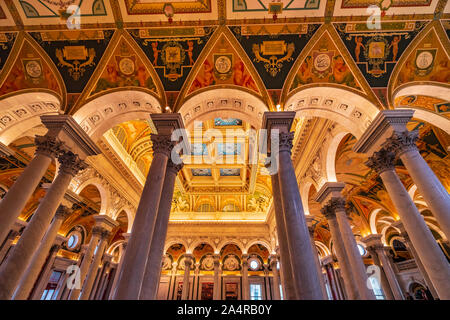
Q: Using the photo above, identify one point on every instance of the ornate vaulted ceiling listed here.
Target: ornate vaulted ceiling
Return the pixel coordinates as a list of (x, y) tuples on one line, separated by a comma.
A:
[(178, 50)]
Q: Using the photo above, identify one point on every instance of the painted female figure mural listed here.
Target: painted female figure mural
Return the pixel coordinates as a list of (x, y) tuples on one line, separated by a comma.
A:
[(206, 79), (359, 45), (341, 72), (240, 78)]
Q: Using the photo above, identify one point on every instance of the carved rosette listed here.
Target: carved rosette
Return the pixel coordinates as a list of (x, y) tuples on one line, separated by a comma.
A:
[(174, 168), (162, 144), (47, 146), (62, 212), (402, 142), (285, 142), (71, 163), (381, 161)]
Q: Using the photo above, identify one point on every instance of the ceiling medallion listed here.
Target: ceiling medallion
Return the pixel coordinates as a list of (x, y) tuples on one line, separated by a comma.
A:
[(169, 11), (384, 7), (222, 65)]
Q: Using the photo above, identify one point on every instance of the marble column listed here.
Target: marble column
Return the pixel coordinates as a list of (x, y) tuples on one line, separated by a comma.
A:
[(32, 273), (93, 268), (119, 266), (87, 259), (306, 277), (12, 204), (428, 185), (389, 271), (135, 260), (311, 227), (149, 288), (37, 290), (351, 248), (285, 260), (101, 281), (275, 277), (383, 279), (188, 260), (341, 254), (173, 278), (244, 274), (12, 235), (331, 282), (195, 282), (17, 262), (432, 257), (377, 251), (415, 255), (217, 287)]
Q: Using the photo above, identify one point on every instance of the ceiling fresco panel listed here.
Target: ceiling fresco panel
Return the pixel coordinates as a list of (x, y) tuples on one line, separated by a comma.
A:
[(428, 61), (125, 67), (31, 70), (158, 6), (75, 53), (348, 4), (168, 11), (173, 51), (325, 63), (43, 12), (376, 52), (387, 7), (273, 49), (260, 9)]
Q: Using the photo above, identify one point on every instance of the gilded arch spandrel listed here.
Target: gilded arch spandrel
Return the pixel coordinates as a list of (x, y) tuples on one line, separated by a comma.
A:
[(347, 76), (196, 83), (131, 62)]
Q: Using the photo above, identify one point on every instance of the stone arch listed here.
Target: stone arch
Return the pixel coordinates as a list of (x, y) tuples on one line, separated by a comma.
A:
[(104, 194), (322, 248), (114, 246), (305, 187), (100, 114), (352, 111), (373, 220), (198, 242), (172, 241), (438, 91), (262, 242), (215, 102), (130, 216), (431, 223), (21, 112), (413, 194), (330, 164), (224, 242)]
